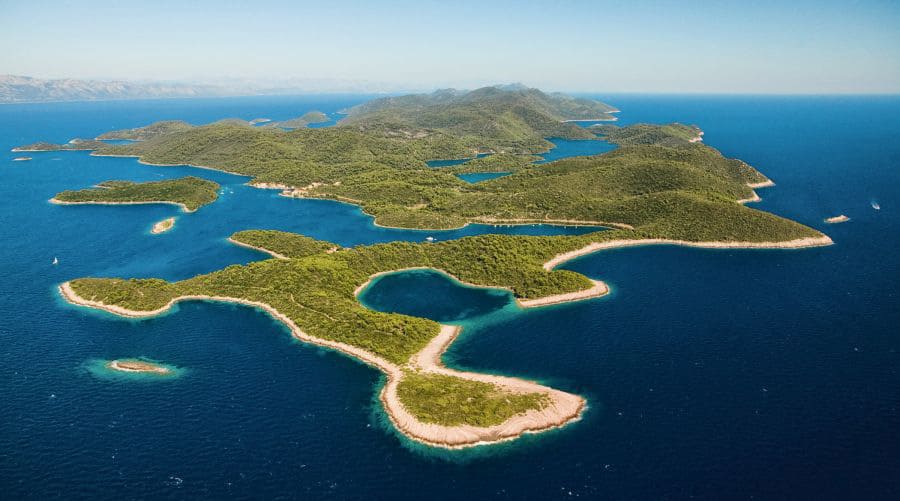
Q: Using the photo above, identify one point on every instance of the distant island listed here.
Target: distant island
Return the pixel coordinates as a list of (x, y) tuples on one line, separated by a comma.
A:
[(661, 186), (190, 193), (145, 133), (312, 117), (76, 144)]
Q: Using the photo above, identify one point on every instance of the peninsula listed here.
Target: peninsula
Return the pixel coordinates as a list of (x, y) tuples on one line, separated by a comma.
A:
[(190, 193), (312, 286), (660, 186), (312, 117)]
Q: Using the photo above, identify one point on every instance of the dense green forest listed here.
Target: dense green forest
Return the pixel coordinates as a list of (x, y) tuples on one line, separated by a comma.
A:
[(316, 287), (148, 132), (656, 181), (311, 117), (451, 401), (191, 192)]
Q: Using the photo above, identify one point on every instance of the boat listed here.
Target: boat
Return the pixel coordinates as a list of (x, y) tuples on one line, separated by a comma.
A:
[(430, 239), (875, 205), (55, 261)]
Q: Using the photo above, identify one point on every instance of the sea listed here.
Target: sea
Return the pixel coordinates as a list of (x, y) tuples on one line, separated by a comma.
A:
[(709, 374)]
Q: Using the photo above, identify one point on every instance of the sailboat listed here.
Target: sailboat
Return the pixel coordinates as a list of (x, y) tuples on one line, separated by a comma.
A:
[(55, 261)]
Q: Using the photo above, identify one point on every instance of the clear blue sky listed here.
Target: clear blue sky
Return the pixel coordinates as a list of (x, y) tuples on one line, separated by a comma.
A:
[(638, 46)]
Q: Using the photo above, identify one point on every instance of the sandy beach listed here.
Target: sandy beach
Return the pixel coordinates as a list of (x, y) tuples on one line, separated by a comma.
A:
[(598, 289), (799, 243), (261, 249), (63, 202), (573, 222), (604, 119), (96, 154), (754, 198), (762, 184)]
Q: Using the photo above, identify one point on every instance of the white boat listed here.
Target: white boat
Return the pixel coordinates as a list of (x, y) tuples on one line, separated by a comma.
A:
[(430, 239), (55, 261), (875, 205)]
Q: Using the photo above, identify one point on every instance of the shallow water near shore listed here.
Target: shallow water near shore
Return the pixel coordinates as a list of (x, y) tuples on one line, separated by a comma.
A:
[(758, 373)]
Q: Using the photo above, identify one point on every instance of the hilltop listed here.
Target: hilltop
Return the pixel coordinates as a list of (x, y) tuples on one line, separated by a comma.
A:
[(511, 117)]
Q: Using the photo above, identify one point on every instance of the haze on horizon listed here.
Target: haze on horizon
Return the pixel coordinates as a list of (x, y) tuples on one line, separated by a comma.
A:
[(806, 46)]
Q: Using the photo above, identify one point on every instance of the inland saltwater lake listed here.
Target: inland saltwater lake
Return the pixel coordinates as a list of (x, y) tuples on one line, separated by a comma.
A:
[(709, 373)]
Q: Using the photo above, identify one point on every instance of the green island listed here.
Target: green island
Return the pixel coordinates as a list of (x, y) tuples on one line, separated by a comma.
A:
[(311, 117), (189, 192), (377, 156), (662, 185), (76, 144), (145, 133)]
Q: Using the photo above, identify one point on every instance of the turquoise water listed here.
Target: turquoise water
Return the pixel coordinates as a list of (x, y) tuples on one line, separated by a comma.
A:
[(709, 374), (477, 177), (575, 147), (449, 300)]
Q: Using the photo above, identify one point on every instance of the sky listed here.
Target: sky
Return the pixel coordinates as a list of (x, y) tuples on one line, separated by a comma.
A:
[(687, 46)]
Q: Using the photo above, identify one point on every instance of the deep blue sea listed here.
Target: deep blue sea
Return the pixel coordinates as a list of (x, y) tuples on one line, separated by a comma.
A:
[(712, 374)]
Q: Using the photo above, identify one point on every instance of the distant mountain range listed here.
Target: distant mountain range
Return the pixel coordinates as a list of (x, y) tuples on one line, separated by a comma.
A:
[(23, 89), (19, 89)]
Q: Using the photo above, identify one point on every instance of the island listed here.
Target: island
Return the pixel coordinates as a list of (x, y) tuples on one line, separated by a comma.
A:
[(311, 117), (660, 186), (837, 219), (73, 145), (139, 366), (190, 193), (163, 226), (376, 158), (311, 287), (145, 133)]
